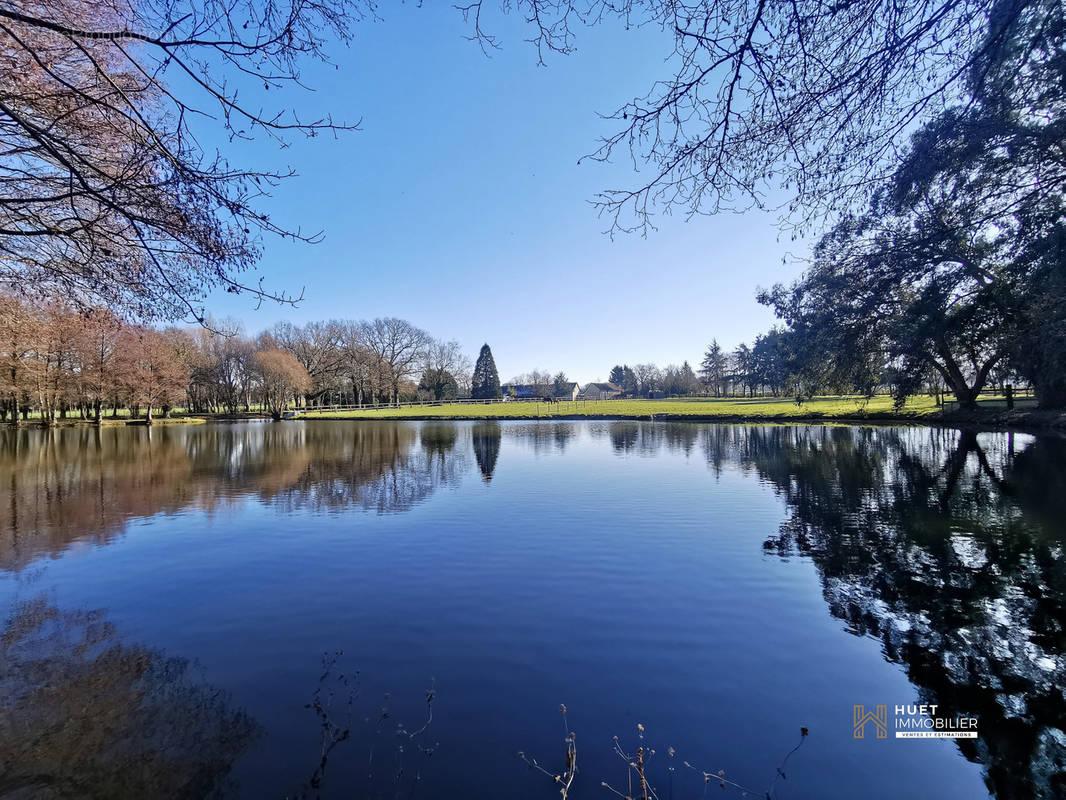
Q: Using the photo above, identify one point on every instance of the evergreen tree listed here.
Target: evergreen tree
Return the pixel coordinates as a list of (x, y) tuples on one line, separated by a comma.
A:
[(744, 368), (486, 382), (559, 383), (486, 437), (618, 375), (713, 368), (687, 379)]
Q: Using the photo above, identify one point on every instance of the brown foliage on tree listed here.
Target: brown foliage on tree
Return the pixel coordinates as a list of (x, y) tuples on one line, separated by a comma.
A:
[(18, 364), (151, 370), (59, 359), (97, 346), (107, 196), (282, 379)]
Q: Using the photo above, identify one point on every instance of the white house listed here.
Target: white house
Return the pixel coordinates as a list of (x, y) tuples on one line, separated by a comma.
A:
[(600, 391)]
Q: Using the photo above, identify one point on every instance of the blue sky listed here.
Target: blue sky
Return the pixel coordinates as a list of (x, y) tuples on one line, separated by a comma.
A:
[(461, 205)]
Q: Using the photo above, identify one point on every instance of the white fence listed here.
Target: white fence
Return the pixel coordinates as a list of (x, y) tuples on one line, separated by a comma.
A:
[(426, 404)]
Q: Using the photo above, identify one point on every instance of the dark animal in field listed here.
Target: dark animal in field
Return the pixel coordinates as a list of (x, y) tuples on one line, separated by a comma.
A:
[(549, 400)]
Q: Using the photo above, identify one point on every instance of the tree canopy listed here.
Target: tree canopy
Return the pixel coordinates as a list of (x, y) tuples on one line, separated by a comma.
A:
[(812, 97), (108, 196), (486, 381), (958, 263)]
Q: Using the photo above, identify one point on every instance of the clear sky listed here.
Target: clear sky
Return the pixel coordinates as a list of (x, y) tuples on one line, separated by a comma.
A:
[(461, 206)]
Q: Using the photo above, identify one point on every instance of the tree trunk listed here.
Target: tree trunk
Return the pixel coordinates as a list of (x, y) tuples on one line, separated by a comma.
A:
[(1051, 396), (148, 415), (966, 396), (965, 393)]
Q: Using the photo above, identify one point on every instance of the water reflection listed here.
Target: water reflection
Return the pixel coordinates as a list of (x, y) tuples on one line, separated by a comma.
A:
[(543, 437), (948, 547), (646, 439), (85, 484), (84, 714), (486, 440)]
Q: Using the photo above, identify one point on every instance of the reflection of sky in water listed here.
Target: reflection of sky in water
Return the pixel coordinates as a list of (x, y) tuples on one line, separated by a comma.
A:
[(637, 572)]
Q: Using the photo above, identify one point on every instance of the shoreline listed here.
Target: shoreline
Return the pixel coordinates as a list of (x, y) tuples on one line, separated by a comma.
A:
[(1024, 420), (1018, 420)]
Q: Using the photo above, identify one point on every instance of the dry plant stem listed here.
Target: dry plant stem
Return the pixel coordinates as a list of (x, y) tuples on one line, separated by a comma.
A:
[(566, 778), (640, 787), (332, 733), (571, 766)]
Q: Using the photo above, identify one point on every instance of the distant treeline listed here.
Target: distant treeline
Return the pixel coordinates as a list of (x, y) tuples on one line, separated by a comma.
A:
[(59, 362)]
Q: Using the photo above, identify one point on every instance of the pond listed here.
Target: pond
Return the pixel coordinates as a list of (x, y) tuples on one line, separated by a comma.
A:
[(397, 609)]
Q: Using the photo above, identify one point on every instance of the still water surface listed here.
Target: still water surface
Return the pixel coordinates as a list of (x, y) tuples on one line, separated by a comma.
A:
[(169, 595)]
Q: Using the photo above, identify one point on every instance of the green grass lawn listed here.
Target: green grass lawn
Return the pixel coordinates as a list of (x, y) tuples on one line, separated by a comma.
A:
[(761, 407)]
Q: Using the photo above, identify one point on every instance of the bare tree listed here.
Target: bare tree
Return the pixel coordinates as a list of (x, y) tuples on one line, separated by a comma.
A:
[(648, 377), (811, 96), (280, 379), (362, 369), (152, 370), (98, 342), (540, 380), (446, 358), (18, 337), (56, 356), (107, 195), (318, 346), (398, 346)]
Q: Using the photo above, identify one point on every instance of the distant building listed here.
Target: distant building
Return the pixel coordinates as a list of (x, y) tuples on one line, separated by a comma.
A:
[(600, 391), (526, 391)]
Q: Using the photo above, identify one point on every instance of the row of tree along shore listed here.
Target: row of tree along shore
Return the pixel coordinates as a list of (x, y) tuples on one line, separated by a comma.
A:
[(944, 273), (59, 363), (943, 263)]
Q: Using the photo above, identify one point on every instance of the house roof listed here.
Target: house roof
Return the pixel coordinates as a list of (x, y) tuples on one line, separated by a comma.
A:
[(602, 387), (529, 390)]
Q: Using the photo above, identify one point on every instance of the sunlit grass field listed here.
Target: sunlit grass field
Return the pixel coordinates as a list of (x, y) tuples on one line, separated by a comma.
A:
[(760, 407)]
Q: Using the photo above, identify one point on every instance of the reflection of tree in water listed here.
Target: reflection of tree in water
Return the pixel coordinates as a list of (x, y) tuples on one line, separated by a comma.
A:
[(85, 480), (948, 547), (486, 440), (84, 715), (648, 439), (625, 435), (377, 467), (85, 484), (544, 437)]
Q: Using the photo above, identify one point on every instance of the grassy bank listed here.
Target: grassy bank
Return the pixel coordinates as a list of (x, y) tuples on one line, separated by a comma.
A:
[(730, 408)]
